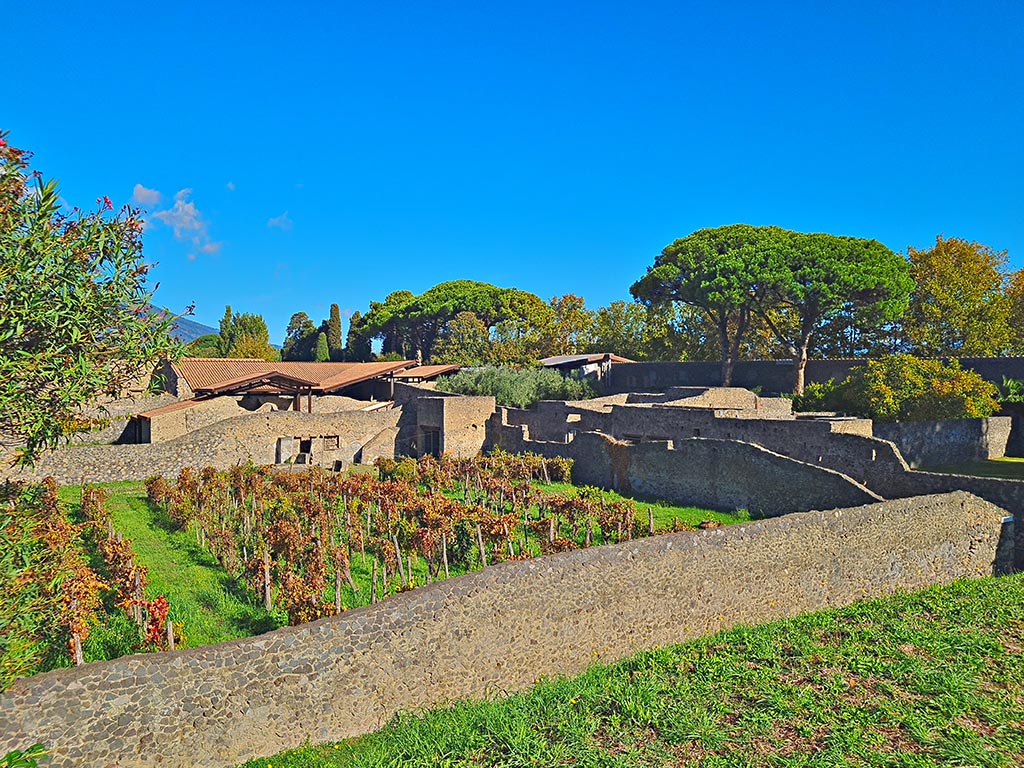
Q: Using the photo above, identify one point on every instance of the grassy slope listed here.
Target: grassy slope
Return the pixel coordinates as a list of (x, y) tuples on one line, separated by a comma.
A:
[(1006, 468), (206, 603), (931, 679)]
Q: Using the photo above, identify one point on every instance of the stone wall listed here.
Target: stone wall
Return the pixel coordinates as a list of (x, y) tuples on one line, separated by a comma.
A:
[(770, 375), (223, 444), (950, 441), (720, 474), (494, 631), (458, 424)]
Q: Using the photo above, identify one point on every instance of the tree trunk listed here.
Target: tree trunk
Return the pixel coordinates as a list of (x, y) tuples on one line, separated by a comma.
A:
[(800, 363)]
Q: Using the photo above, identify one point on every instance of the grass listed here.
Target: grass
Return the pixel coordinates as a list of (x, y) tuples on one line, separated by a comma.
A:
[(931, 679), (206, 603), (1007, 468)]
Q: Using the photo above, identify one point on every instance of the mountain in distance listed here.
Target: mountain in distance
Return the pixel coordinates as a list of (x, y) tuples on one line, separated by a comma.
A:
[(186, 331)]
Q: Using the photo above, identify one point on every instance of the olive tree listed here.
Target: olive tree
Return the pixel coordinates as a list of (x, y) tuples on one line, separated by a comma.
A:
[(75, 313)]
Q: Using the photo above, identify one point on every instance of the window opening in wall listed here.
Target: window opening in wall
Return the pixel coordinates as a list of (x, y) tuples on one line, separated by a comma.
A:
[(306, 445), (573, 417), (331, 443), (430, 443), (696, 433)]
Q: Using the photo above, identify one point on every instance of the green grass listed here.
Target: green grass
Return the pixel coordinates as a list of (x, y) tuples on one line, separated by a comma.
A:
[(206, 603), (932, 679), (1006, 468)]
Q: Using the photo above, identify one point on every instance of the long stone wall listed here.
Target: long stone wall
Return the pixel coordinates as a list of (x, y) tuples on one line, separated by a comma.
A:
[(496, 630), (771, 375), (221, 445)]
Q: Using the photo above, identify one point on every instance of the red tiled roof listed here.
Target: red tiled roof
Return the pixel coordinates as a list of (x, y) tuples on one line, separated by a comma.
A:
[(181, 405), (205, 374), (426, 371)]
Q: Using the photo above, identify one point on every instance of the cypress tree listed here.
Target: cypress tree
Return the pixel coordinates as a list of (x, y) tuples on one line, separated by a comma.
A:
[(334, 334), (323, 354)]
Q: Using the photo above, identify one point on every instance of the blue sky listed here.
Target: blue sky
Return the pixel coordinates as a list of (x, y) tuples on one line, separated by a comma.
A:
[(295, 155)]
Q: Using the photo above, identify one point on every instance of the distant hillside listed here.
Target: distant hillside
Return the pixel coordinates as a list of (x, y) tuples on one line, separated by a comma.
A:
[(187, 331)]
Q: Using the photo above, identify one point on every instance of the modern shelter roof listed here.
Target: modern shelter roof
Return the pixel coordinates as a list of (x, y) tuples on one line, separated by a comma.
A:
[(572, 361), (427, 371), (216, 374)]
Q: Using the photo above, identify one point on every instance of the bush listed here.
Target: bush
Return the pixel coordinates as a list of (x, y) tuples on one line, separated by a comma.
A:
[(517, 388), (905, 388), (1011, 391)]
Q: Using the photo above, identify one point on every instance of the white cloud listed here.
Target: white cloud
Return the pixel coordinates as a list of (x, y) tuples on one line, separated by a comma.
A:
[(231, 186), (188, 224), (143, 196), (281, 222)]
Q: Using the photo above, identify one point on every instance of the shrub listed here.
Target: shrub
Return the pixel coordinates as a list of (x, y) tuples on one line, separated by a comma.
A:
[(1011, 391), (517, 388), (905, 388)]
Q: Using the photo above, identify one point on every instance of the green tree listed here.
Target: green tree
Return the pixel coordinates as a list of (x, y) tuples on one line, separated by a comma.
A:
[(252, 347), (299, 338), (959, 307), (334, 333), (409, 325), (357, 342), (204, 346), (323, 352), (464, 340), (814, 277), (252, 328), (570, 327), (905, 388), (76, 319), (721, 272), (1015, 296), (227, 331)]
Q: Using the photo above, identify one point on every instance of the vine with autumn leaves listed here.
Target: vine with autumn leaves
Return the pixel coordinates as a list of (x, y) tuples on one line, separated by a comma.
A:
[(62, 575), (293, 537)]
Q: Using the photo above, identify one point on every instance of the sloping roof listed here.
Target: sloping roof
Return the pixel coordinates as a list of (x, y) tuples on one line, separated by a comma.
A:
[(210, 374), (572, 361), (181, 405), (427, 371)]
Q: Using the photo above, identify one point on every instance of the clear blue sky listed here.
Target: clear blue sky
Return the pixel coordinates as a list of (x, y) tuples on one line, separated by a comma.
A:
[(306, 155)]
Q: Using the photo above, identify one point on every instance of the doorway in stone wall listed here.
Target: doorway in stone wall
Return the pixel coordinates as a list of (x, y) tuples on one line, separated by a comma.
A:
[(430, 441)]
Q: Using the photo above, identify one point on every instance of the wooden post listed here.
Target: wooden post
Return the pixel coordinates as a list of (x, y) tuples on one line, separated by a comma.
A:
[(373, 583), (480, 541), (337, 589), (398, 557), (408, 569), (76, 646), (444, 552), (267, 602), (170, 635), (650, 521)]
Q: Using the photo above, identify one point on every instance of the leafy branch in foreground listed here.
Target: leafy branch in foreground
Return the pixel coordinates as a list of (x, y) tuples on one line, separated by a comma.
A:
[(77, 321)]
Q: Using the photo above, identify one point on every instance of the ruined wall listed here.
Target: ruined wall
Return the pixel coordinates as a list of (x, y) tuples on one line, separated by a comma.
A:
[(465, 420), (497, 630), (224, 444), (720, 474), (950, 441)]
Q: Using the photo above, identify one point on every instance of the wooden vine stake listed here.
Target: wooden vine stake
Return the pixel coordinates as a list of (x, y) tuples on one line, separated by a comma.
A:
[(650, 521), (444, 552), (373, 584), (480, 541)]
